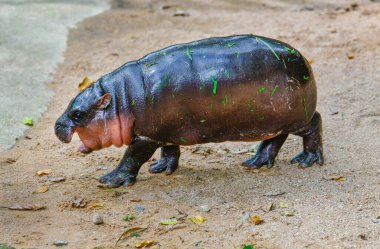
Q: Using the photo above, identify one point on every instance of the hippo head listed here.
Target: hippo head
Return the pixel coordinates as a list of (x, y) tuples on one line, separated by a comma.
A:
[(93, 115)]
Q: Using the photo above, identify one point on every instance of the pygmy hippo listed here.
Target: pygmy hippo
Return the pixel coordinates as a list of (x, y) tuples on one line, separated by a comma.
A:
[(236, 88)]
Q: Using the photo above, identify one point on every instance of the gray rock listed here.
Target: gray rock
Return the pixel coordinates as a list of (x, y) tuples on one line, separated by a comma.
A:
[(97, 219)]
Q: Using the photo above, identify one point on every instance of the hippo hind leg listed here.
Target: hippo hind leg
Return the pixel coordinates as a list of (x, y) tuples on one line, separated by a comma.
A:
[(312, 143), (168, 161), (266, 153), (135, 156)]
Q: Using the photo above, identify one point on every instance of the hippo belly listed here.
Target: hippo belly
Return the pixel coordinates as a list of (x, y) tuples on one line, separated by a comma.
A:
[(241, 88)]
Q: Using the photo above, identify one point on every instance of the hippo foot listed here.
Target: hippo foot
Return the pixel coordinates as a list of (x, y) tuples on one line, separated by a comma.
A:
[(116, 179), (169, 165), (306, 159), (258, 161)]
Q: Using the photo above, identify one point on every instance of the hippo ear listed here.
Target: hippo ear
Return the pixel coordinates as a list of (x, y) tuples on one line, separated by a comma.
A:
[(104, 101)]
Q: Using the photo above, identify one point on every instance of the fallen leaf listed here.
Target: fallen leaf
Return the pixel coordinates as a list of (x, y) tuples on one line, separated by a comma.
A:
[(351, 56), (377, 220), (337, 178), (283, 204), (171, 221), (28, 207), (135, 200), (97, 205), (197, 219), (78, 202), (269, 207), (248, 247), (56, 178), (44, 172), (145, 243), (129, 232), (42, 189), (129, 217), (27, 121), (86, 82), (255, 219), (6, 246), (288, 213)]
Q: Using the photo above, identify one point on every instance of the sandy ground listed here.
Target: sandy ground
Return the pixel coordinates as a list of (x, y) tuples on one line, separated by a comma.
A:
[(343, 43)]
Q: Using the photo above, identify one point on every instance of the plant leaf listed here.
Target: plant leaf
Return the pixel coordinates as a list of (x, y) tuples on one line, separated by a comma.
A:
[(129, 217), (44, 172), (86, 82), (127, 233), (145, 243), (27, 121), (255, 219), (171, 221), (42, 189), (28, 207), (197, 219)]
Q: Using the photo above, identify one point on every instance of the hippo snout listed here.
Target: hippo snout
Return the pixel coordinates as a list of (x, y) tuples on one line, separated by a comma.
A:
[(63, 132)]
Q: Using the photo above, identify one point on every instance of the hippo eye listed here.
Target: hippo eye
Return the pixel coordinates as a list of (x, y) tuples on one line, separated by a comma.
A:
[(77, 116)]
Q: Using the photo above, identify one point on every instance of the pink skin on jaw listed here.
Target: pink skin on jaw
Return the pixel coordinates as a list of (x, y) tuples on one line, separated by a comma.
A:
[(101, 133)]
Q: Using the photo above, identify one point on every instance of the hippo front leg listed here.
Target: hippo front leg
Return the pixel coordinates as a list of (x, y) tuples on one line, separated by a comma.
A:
[(135, 156)]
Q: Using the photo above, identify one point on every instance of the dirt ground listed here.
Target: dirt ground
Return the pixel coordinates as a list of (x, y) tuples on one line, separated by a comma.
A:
[(341, 39)]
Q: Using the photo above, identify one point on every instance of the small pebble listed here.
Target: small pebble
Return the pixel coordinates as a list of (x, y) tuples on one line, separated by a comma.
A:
[(204, 208), (97, 219), (60, 243), (139, 208)]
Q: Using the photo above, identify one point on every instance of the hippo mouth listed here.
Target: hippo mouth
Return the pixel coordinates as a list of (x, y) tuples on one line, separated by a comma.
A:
[(64, 133)]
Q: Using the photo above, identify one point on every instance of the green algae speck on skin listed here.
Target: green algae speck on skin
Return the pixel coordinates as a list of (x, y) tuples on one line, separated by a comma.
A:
[(188, 53), (215, 84), (291, 50), (224, 101), (183, 140), (231, 45), (262, 89), (305, 77), (237, 54), (304, 108), (133, 102), (274, 90), (270, 47), (150, 64)]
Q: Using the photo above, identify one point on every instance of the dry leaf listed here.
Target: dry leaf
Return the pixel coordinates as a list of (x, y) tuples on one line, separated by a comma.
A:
[(78, 202), (351, 56), (86, 82), (145, 243), (269, 207), (135, 200), (43, 189), (129, 232), (171, 221), (255, 219), (197, 219), (97, 205), (44, 172), (337, 178), (283, 204), (288, 213), (28, 207)]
